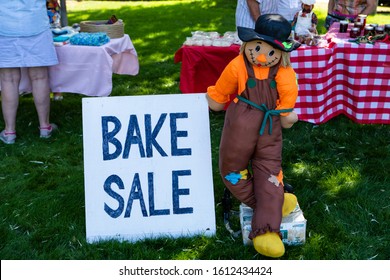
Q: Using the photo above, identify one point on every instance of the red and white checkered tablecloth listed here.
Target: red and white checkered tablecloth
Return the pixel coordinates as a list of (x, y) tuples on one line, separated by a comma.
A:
[(344, 78), (338, 77)]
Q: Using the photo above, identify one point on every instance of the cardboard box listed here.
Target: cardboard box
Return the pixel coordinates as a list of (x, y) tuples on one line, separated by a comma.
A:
[(292, 228)]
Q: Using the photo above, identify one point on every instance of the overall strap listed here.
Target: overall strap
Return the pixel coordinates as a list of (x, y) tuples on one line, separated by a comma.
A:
[(267, 113)]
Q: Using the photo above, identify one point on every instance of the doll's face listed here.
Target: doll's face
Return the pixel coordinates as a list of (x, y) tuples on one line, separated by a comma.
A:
[(307, 8), (262, 54)]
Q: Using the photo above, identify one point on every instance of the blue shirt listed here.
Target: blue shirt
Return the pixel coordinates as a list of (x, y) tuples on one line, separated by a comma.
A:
[(20, 18)]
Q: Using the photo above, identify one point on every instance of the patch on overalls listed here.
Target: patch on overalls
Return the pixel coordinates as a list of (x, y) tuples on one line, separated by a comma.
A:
[(235, 177), (276, 180), (273, 84), (251, 83)]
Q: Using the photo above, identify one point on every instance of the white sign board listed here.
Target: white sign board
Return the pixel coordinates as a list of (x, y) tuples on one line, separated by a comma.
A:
[(147, 166)]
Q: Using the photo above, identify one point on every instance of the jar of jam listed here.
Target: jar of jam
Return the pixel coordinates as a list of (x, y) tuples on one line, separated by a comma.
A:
[(387, 28), (343, 26), (375, 25), (379, 30), (359, 25), (368, 30), (355, 32)]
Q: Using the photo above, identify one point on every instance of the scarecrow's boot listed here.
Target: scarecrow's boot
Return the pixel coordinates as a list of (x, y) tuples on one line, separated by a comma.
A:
[(289, 204), (269, 244)]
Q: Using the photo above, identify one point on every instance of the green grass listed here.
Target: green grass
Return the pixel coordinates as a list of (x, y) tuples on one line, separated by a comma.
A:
[(339, 169)]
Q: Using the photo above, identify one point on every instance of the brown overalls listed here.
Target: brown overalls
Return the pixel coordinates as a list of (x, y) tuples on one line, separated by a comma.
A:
[(242, 147)]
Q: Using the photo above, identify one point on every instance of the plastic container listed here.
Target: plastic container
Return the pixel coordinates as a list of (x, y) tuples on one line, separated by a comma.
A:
[(292, 228)]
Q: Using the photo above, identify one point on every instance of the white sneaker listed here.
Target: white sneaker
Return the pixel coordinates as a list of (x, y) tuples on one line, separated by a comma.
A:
[(46, 132), (8, 137)]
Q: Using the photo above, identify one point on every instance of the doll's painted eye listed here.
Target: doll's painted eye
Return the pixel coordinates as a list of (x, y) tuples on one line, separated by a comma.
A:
[(271, 53), (257, 48)]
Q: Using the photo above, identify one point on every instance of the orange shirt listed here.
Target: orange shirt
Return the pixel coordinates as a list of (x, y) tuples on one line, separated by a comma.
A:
[(234, 77)]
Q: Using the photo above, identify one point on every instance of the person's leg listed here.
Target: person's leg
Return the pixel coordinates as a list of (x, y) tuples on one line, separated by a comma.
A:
[(10, 78), (329, 20), (41, 91)]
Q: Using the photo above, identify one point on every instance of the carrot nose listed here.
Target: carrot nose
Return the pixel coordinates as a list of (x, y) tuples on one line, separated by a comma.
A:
[(261, 58)]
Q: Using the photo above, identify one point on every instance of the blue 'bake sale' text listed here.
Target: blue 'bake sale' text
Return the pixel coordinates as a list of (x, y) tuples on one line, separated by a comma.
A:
[(147, 147)]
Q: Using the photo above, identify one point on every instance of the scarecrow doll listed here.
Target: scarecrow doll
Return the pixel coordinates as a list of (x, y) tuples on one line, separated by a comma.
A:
[(250, 156)]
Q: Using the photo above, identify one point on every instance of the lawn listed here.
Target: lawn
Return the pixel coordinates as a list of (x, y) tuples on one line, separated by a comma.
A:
[(339, 170)]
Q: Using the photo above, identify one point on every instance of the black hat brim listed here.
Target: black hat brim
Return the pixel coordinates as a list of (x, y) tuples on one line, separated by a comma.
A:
[(248, 34)]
